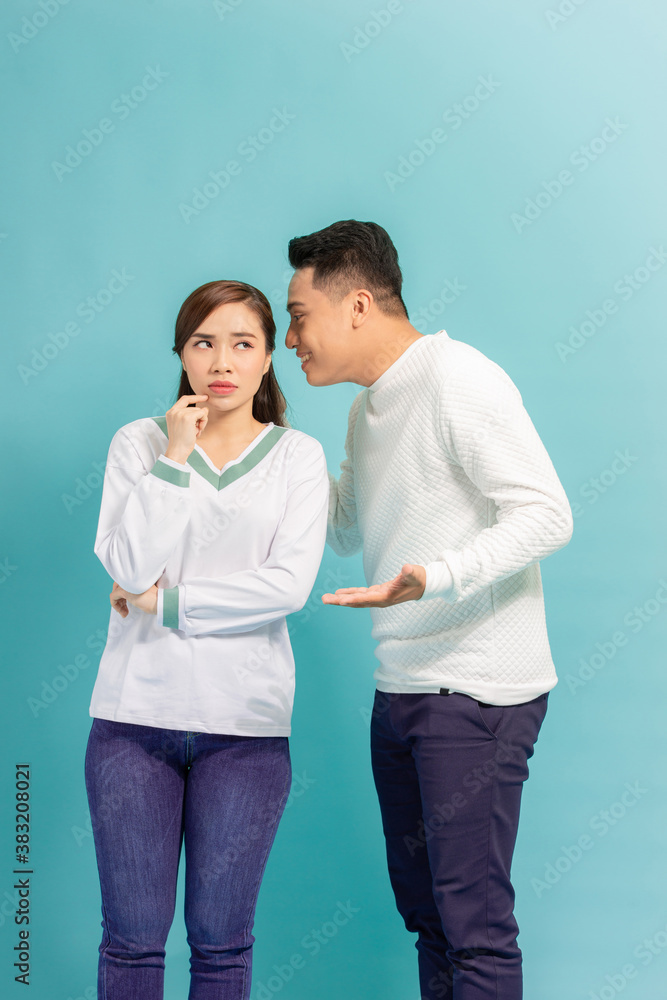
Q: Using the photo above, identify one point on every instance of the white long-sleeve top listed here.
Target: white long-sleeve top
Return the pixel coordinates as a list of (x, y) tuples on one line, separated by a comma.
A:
[(233, 551), (445, 469)]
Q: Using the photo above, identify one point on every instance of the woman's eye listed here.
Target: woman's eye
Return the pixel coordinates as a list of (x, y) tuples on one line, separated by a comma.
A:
[(198, 342)]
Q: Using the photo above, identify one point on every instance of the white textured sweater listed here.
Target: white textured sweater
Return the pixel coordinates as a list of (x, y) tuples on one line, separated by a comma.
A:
[(233, 551), (445, 469)]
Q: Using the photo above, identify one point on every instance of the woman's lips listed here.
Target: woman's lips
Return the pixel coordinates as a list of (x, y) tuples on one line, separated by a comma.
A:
[(222, 390)]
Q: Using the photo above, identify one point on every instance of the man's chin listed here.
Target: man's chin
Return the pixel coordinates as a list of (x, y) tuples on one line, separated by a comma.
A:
[(317, 380)]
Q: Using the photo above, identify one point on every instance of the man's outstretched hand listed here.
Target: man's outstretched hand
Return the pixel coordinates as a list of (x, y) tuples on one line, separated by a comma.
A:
[(407, 586)]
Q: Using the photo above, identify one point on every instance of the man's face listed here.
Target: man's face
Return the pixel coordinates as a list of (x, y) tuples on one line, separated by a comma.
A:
[(320, 330)]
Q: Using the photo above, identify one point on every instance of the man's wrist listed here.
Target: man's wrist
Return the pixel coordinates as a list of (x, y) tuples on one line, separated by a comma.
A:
[(439, 580)]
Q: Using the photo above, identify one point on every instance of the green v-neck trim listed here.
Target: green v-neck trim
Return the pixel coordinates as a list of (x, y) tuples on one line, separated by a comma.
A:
[(199, 464)]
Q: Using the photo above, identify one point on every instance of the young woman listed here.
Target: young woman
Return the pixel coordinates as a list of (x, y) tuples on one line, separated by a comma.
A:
[(212, 527)]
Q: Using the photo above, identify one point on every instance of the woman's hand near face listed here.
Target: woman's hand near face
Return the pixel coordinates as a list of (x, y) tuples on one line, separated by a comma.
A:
[(184, 425), (145, 602)]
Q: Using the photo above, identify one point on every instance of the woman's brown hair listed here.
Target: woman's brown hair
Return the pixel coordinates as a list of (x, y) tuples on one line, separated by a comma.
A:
[(268, 403)]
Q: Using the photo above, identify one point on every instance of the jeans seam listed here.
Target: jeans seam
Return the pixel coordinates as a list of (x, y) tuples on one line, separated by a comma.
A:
[(261, 869), (107, 927), (105, 965)]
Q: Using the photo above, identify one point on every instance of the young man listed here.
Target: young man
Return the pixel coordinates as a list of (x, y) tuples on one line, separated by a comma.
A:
[(449, 491)]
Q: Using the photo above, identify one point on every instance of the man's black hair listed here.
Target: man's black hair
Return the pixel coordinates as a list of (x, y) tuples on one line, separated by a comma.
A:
[(352, 254)]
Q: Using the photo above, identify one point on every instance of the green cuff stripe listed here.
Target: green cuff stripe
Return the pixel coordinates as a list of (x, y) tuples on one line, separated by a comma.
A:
[(170, 607), (176, 476)]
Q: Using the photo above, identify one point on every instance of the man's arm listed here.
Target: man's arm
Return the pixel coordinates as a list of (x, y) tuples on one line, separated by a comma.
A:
[(487, 430), (342, 529)]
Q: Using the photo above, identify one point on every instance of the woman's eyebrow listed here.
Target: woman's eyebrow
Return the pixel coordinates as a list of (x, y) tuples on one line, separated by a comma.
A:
[(212, 336)]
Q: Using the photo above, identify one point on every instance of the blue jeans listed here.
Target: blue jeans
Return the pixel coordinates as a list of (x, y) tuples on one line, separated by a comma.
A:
[(449, 771), (149, 789)]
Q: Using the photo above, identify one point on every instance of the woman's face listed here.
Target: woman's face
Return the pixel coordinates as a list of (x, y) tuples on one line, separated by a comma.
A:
[(229, 346)]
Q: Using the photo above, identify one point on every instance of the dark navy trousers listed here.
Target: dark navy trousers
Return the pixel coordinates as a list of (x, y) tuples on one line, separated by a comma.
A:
[(449, 773)]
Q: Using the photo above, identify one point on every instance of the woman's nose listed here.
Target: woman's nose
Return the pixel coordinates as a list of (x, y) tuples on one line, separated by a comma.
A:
[(222, 360)]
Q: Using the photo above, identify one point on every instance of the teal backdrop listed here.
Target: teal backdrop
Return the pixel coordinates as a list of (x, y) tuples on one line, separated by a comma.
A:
[(516, 154)]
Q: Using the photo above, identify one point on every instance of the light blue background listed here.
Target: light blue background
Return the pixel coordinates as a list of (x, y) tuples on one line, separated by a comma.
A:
[(355, 114)]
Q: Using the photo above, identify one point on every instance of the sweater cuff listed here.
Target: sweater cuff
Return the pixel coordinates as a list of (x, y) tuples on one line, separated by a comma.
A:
[(439, 581), (168, 602), (171, 472)]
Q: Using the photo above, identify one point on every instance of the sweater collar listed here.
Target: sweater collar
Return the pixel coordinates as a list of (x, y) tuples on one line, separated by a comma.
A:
[(392, 370), (201, 463)]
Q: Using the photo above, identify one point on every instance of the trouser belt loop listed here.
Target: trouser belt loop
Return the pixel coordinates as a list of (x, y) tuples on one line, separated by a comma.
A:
[(484, 704)]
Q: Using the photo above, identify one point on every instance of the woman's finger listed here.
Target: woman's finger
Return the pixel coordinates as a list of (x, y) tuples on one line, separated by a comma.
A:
[(184, 401)]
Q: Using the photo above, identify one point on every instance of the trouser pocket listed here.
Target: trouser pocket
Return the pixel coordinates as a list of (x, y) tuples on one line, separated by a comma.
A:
[(491, 716)]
